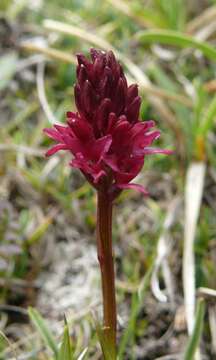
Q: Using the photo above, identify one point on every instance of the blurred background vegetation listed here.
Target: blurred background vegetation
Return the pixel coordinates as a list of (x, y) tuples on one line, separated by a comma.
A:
[(47, 211)]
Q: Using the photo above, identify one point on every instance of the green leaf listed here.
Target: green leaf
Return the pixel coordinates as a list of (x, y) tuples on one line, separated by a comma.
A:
[(65, 352), (209, 117), (44, 331), (7, 69), (176, 38), (195, 337), (39, 231)]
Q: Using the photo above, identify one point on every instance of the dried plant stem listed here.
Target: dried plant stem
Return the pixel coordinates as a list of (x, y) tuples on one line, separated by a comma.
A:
[(105, 257)]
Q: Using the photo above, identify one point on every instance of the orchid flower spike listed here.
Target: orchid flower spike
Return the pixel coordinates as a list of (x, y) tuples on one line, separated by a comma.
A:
[(107, 139)]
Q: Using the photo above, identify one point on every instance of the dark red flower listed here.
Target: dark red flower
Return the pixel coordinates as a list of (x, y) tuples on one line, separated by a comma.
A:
[(105, 135)]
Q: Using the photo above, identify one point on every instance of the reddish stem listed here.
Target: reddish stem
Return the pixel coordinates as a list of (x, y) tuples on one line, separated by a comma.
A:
[(105, 257)]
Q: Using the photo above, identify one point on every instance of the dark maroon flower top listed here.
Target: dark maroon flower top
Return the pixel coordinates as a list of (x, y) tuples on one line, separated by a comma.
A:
[(105, 135)]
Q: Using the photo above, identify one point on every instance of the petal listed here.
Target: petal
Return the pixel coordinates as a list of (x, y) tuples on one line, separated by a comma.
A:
[(56, 148), (97, 175), (98, 66), (75, 145), (95, 170), (78, 98), (132, 92), (129, 168), (111, 61), (53, 134), (81, 128), (119, 97), (151, 150), (121, 132), (142, 127), (137, 187), (83, 60), (106, 84), (82, 74), (100, 147), (60, 128), (132, 111), (111, 161), (112, 120), (71, 114), (89, 98), (95, 53), (141, 141), (102, 114)]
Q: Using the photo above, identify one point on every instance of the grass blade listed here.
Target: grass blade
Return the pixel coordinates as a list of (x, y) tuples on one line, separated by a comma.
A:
[(43, 329), (195, 336), (83, 354), (193, 196), (169, 37), (8, 65), (65, 352), (208, 119)]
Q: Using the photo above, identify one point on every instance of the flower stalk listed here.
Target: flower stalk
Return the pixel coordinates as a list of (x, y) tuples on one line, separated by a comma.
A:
[(106, 261)]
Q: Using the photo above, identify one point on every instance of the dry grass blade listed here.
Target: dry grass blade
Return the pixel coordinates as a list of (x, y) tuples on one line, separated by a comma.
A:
[(42, 94), (49, 52), (193, 196), (163, 250), (121, 5), (23, 149), (206, 32), (30, 61), (210, 86), (78, 32), (181, 99), (205, 18), (207, 293), (212, 325)]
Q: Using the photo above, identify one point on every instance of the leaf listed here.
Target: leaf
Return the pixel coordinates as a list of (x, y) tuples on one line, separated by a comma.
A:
[(7, 69), (194, 186), (65, 352), (43, 329), (176, 38), (195, 337), (40, 230), (83, 354), (209, 117)]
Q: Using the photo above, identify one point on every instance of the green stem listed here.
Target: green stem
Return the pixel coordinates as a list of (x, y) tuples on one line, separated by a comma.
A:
[(105, 257)]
